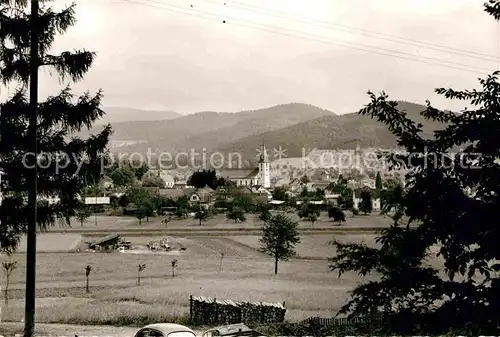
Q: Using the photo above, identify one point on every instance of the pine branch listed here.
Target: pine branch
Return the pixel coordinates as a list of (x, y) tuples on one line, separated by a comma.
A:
[(75, 65)]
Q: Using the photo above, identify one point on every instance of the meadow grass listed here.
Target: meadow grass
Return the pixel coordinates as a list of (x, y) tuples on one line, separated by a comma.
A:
[(309, 288), (314, 246), (96, 312)]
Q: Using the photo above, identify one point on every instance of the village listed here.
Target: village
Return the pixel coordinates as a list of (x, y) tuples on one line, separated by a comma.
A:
[(277, 185)]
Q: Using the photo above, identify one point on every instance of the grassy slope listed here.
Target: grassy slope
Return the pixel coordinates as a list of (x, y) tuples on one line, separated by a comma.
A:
[(308, 287)]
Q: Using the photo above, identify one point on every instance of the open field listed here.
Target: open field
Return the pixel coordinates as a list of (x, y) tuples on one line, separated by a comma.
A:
[(313, 246), (305, 283), (54, 242), (308, 287), (114, 223)]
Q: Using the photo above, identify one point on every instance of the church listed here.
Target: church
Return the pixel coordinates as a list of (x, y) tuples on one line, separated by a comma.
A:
[(256, 177)]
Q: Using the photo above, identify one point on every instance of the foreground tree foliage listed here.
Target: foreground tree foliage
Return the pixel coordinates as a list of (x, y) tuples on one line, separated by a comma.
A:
[(280, 235), (60, 116), (336, 214), (203, 178), (366, 203), (201, 214), (454, 203), (237, 214), (82, 213)]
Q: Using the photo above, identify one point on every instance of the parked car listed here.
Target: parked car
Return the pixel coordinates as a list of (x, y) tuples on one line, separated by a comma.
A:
[(235, 330), (165, 330)]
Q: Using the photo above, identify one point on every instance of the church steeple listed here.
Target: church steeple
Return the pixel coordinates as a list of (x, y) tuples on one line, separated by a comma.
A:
[(263, 154), (264, 168)]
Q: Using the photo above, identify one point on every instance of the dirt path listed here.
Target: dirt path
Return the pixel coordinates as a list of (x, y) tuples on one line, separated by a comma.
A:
[(60, 330)]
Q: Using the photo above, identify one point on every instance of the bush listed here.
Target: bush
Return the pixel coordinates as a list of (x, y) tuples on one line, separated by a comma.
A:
[(124, 201)]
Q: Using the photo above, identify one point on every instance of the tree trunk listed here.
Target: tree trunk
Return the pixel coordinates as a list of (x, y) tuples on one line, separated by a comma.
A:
[(81, 223), (30, 293), (140, 221), (87, 289), (276, 260), (200, 222), (139, 278), (173, 272), (7, 290)]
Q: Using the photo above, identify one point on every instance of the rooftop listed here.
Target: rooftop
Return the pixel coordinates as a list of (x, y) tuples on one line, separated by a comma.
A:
[(239, 173)]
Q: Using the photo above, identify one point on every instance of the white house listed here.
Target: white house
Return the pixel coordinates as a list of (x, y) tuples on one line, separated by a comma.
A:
[(97, 201), (262, 190), (312, 202), (181, 184), (165, 176), (332, 197), (202, 196), (168, 179)]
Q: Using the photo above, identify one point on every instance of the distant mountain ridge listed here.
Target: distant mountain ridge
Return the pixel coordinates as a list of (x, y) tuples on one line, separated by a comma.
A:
[(209, 129), (294, 127), (331, 132), (121, 114)]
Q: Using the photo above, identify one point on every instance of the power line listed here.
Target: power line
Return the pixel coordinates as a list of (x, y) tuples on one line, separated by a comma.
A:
[(360, 31), (316, 38)]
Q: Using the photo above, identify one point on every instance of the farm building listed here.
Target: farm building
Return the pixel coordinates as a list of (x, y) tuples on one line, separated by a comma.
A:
[(111, 241)]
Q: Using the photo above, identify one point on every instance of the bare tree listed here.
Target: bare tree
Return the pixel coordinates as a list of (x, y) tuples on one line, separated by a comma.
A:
[(83, 212), (8, 268), (167, 220), (140, 268), (221, 258), (88, 269), (174, 264)]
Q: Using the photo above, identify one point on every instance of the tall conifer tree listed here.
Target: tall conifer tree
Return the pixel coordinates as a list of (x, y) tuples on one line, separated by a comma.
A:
[(66, 161)]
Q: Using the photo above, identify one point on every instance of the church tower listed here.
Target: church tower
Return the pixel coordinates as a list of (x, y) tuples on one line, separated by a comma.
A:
[(264, 167)]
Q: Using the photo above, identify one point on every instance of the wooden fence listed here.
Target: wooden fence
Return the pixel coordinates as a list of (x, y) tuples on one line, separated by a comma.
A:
[(343, 321), (326, 322), (206, 310)]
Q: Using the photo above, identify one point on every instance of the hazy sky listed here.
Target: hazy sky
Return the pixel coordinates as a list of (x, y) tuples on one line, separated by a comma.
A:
[(151, 56)]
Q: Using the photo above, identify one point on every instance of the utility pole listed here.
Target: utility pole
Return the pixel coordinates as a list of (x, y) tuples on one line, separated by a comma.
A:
[(29, 308)]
